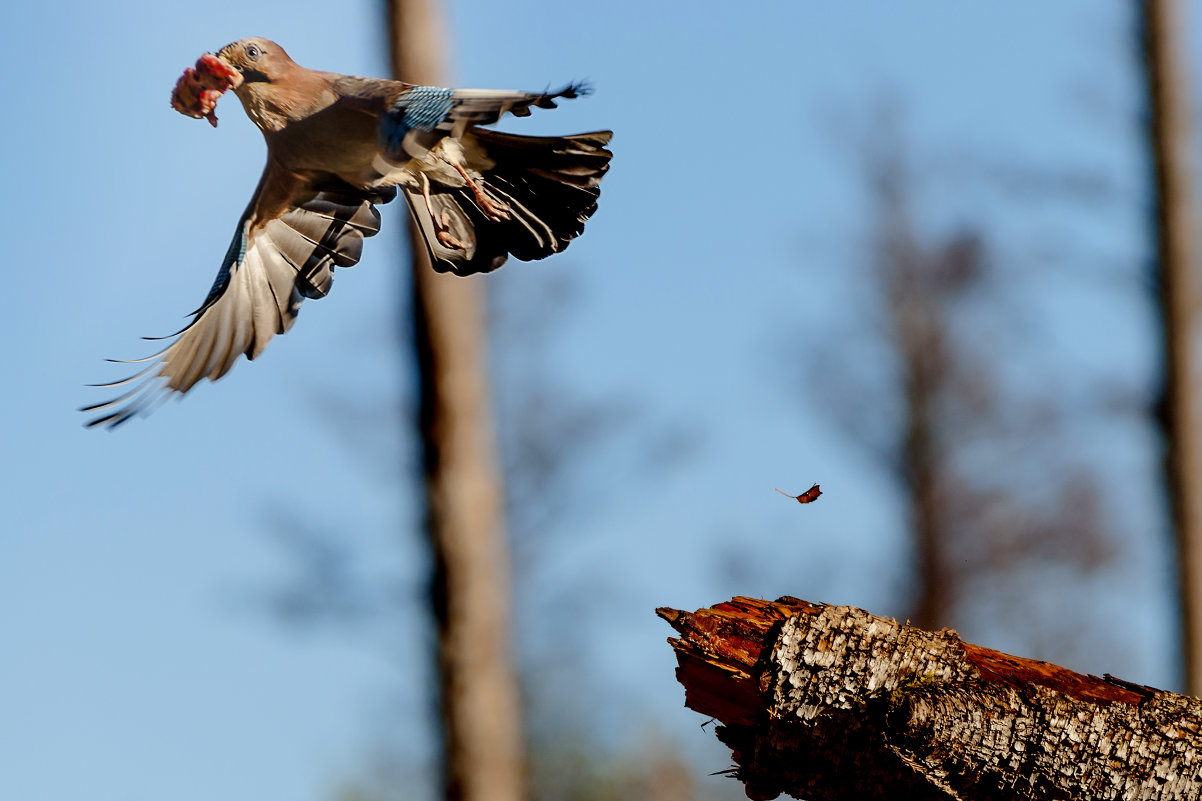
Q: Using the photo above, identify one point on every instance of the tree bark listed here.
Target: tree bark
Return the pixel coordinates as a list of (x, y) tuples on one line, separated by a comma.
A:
[(483, 755), (1171, 143), (831, 703)]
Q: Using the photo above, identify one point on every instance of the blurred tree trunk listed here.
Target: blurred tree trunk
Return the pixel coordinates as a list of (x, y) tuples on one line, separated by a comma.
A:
[(831, 703), (943, 406), (919, 328), (483, 757), (1171, 143)]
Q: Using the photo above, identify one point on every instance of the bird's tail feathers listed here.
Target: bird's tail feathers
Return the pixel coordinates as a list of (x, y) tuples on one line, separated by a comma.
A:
[(549, 186)]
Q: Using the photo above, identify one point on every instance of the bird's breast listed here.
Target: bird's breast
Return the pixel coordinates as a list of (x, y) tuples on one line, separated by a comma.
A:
[(336, 139)]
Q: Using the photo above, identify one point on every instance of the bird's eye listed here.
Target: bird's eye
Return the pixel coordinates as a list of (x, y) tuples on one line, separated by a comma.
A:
[(253, 52)]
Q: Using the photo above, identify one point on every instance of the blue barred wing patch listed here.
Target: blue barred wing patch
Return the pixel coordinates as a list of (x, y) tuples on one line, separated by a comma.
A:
[(421, 108)]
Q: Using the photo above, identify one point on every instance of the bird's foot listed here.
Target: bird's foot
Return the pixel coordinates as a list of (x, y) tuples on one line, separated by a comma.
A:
[(494, 210), (442, 230)]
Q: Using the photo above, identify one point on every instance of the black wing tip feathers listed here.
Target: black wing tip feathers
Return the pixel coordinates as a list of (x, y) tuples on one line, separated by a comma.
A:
[(112, 420), (577, 89), (570, 91), (139, 401)]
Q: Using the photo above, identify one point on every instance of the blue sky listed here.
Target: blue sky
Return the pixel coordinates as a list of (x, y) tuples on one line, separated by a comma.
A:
[(135, 662)]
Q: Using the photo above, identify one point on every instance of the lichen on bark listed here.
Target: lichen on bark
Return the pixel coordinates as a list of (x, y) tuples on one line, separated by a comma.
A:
[(830, 703)]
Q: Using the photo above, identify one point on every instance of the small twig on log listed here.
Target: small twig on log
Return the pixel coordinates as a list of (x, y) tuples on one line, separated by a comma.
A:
[(830, 703)]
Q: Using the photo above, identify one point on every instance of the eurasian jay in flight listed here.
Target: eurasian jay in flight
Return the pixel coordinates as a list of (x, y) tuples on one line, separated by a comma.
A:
[(337, 146)]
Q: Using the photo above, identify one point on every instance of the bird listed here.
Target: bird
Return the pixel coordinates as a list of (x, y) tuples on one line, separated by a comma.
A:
[(338, 146)]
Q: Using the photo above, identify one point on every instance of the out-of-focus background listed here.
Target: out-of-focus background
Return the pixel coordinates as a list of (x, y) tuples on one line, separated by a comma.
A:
[(903, 250)]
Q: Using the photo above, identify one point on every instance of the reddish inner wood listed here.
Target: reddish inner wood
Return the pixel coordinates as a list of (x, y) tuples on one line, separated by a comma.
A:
[(1017, 671)]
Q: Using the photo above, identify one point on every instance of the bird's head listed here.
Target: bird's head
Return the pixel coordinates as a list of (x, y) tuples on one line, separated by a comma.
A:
[(259, 60), (273, 88)]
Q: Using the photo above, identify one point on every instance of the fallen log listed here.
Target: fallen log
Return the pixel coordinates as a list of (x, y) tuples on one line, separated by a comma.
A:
[(831, 703)]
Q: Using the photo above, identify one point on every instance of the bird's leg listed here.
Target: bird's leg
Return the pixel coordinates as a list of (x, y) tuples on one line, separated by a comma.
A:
[(492, 209), (441, 227)]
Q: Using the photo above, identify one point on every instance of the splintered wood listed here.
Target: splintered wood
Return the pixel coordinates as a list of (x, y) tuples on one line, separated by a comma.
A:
[(830, 703)]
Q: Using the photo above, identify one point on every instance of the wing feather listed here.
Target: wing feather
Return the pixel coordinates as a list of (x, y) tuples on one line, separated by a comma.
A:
[(269, 268), (264, 312), (422, 115)]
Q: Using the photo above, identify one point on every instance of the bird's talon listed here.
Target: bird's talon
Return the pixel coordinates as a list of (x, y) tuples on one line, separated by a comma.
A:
[(493, 210), (445, 237), (442, 229)]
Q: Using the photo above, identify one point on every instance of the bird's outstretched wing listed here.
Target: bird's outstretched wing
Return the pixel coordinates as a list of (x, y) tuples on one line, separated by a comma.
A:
[(284, 250), (523, 196), (421, 115)]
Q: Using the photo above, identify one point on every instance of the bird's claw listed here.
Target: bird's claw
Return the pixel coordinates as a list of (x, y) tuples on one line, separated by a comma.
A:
[(448, 240), (442, 229), (493, 209)]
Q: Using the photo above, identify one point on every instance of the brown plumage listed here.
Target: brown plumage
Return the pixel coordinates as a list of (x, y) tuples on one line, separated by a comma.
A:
[(337, 146)]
